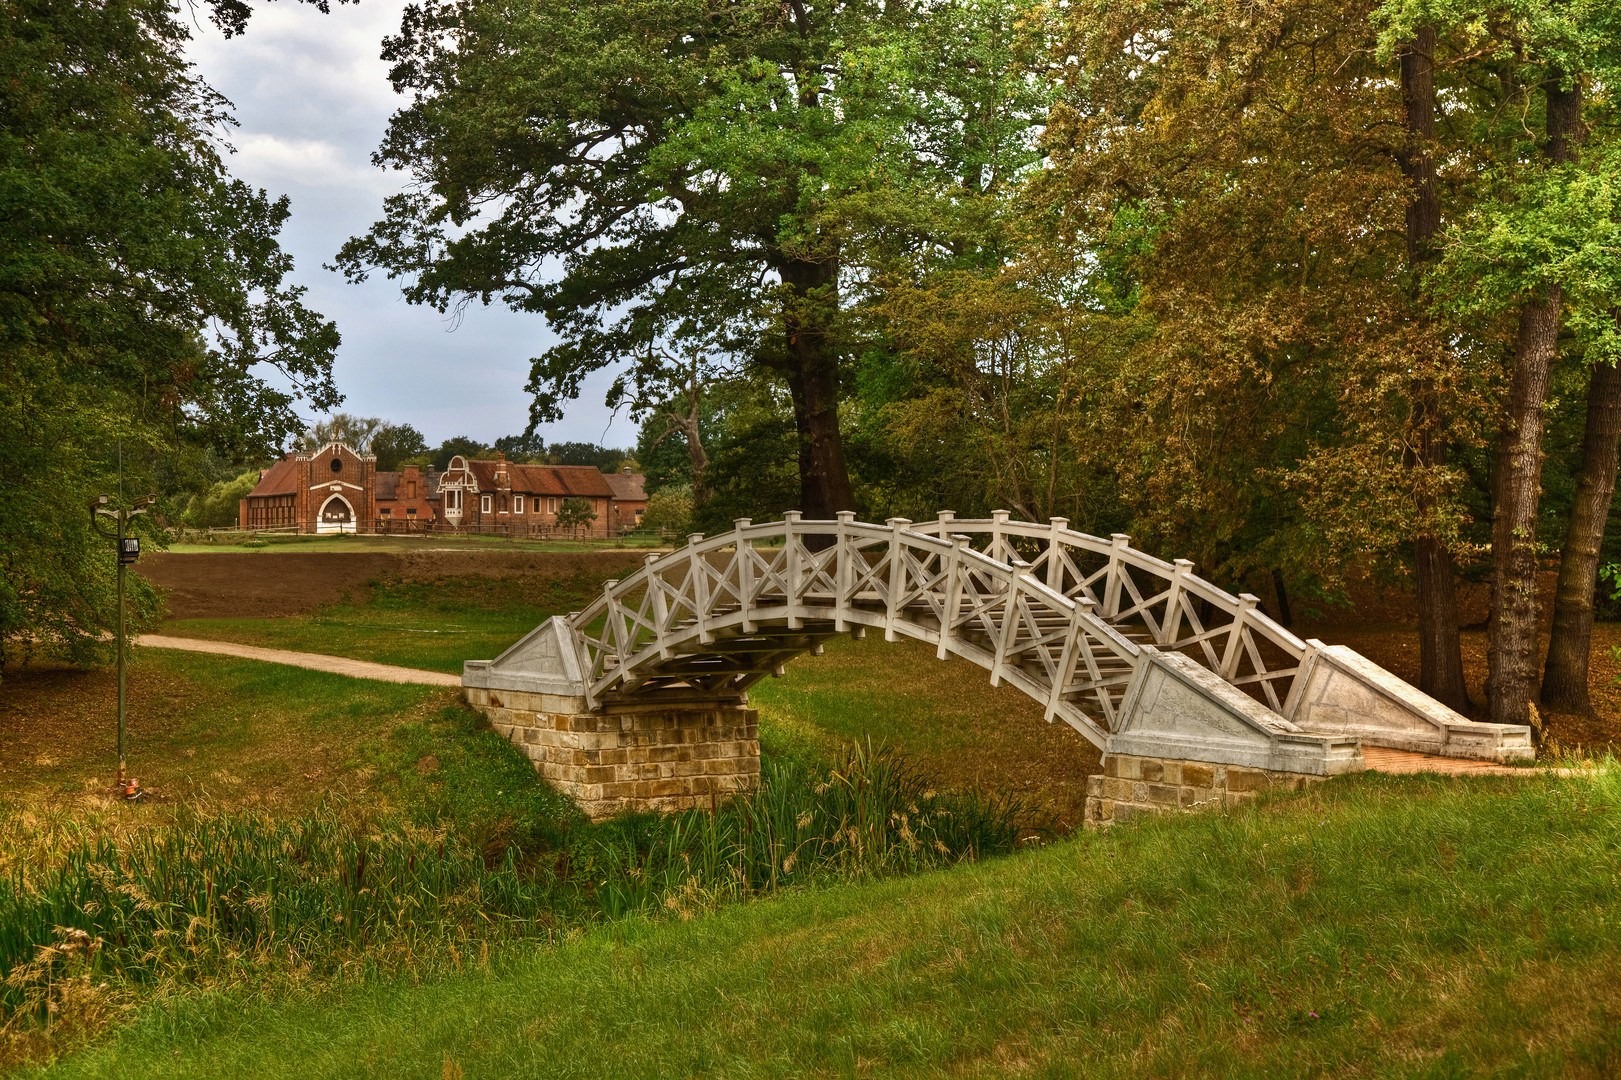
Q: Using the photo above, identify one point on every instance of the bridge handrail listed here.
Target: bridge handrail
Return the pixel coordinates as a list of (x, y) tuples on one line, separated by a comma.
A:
[(1119, 548), (1013, 578), (745, 529)]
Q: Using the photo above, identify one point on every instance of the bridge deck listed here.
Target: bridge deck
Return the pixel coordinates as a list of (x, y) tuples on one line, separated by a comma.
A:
[(1380, 759)]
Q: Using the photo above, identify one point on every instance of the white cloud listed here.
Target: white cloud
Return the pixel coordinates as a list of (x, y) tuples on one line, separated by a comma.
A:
[(313, 100), (277, 162)]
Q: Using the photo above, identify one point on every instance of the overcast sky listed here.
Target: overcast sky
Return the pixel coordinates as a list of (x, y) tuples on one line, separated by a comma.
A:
[(313, 99)]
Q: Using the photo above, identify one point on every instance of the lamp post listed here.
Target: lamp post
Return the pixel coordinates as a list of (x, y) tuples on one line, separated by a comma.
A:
[(128, 549)]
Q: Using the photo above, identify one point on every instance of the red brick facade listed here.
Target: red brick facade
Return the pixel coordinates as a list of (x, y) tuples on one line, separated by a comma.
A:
[(334, 489), (500, 496)]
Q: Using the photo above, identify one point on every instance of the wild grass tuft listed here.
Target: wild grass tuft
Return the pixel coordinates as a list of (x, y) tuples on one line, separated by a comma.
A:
[(91, 920)]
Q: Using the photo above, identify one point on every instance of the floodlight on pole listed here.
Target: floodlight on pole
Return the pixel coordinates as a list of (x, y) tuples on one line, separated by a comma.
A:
[(127, 549)]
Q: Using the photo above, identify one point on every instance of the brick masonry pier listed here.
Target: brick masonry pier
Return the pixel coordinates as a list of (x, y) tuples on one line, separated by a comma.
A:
[(1132, 786), (635, 756)]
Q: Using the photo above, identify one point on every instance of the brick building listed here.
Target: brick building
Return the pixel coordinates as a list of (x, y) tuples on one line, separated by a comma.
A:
[(630, 498), (334, 489), (407, 498), (501, 496)]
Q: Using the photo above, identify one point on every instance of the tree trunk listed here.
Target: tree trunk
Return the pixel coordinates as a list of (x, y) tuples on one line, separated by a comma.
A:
[(1512, 637), (699, 459), (1440, 650), (1564, 679), (812, 370), (1285, 616)]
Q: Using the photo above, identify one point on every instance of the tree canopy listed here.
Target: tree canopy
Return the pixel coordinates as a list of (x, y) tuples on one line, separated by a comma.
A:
[(143, 299), (646, 174)]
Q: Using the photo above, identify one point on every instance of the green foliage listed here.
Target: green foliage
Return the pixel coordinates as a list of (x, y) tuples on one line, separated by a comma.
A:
[(457, 445), (669, 511), (217, 896), (142, 297), (752, 454), (1482, 940), (871, 814), (396, 445), (603, 458), (573, 513), (686, 179), (454, 772), (522, 448), (218, 507), (489, 853)]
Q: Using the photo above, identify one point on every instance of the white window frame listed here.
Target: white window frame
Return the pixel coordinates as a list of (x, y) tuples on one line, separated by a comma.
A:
[(551, 506), (485, 503), (517, 504)]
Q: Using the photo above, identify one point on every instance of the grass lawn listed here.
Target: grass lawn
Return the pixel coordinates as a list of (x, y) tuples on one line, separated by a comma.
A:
[(1375, 926), (228, 734), (946, 714), (433, 625)]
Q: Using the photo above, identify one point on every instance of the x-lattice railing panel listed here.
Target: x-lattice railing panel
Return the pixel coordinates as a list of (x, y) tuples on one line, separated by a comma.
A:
[(724, 611), (1056, 612)]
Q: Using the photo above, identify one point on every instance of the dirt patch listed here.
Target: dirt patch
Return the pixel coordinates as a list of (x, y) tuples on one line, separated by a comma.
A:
[(268, 585)]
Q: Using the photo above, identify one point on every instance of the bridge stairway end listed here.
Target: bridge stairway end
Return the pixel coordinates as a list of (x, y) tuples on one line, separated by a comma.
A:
[(1340, 691), (1187, 739), (543, 661), (1178, 709)]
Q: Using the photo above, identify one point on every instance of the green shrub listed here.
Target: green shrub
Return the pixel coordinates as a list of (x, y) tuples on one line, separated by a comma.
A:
[(669, 511), (217, 508)]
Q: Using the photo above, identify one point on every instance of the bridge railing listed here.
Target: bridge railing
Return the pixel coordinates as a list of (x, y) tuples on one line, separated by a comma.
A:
[(1179, 610), (680, 616)]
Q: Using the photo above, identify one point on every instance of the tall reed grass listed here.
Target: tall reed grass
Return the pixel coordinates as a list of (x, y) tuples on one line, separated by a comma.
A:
[(87, 918), (872, 814)]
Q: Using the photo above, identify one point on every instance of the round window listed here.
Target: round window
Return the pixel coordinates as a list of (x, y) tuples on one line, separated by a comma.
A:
[(337, 465)]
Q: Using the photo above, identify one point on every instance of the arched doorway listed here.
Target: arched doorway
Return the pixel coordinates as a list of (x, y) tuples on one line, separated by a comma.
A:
[(336, 516)]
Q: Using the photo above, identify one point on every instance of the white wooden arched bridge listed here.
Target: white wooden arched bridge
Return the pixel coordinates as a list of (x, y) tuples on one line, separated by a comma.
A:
[(1139, 655)]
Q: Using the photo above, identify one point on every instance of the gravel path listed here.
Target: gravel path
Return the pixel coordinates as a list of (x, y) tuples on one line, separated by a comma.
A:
[(337, 665)]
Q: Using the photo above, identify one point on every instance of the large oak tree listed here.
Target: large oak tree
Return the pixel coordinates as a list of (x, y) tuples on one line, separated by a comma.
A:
[(646, 175)]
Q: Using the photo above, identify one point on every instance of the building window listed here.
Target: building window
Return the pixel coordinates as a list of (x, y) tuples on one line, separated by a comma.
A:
[(484, 504), (386, 512), (337, 465), (410, 511), (517, 504), (551, 506), (453, 498)]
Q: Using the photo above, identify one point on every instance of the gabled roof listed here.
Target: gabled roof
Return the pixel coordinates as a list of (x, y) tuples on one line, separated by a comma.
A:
[(388, 484), (628, 486), (567, 481), (280, 479)]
